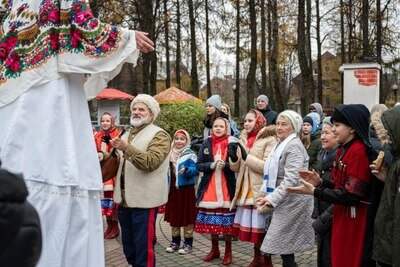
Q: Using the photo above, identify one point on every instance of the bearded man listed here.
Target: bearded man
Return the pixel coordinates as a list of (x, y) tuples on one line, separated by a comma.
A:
[(141, 184)]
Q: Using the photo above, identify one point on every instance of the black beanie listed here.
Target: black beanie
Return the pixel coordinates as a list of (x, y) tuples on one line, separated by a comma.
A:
[(309, 120), (338, 117)]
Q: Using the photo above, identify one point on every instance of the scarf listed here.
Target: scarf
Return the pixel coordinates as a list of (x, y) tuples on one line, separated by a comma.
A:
[(219, 146), (175, 152), (272, 164), (259, 124)]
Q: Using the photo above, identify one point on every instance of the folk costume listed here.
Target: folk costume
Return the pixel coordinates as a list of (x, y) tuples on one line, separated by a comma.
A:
[(349, 190), (248, 223), (46, 134), (108, 207), (214, 195), (181, 210)]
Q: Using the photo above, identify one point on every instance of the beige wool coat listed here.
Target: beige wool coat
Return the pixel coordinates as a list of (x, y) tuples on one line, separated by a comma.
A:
[(250, 171)]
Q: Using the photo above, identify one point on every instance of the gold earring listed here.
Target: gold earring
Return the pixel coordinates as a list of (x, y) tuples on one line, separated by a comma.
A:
[(351, 131)]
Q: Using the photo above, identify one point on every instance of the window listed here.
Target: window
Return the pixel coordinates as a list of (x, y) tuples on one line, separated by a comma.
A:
[(327, 69), (327, 102)]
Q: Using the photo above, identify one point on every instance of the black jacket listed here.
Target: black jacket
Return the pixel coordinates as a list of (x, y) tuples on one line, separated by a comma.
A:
[(20, 234), (269, 115)]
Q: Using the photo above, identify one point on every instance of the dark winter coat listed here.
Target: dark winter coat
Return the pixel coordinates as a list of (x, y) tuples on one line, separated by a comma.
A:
[(20, 234), (313, 150), (203, 164), (270, 115), (323, 212), (387, 222)]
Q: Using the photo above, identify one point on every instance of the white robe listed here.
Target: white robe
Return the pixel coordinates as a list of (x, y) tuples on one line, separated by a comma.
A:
[(46, 134)]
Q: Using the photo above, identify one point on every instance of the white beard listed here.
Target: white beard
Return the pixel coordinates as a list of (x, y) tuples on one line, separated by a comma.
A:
[(137, 122)]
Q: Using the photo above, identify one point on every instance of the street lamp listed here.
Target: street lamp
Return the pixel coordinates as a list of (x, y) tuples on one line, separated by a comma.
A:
[(395, 88)]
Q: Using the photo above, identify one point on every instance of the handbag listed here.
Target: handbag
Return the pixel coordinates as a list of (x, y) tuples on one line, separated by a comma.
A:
[(109, 166)]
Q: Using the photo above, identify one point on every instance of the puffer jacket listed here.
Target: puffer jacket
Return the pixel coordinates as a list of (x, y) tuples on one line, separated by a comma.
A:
[(387, 221), (20, 234), (313, 150), (250, 171)]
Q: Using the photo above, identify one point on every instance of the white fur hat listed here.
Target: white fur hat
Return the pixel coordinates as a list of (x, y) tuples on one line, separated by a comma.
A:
[(149, 101), (295, 119)]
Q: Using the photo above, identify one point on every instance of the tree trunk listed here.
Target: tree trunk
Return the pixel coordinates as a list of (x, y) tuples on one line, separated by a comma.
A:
[(178, 44), (167, 69), (193, 49), (146, 21), (350, 35), (274, 58), (207, 53), (263, 51), (365, 42), (342, 46), (251, 76), (379, 46), (153, 55), (308, 31), (319, 56), (306, 71), (237, 85), (269, 44)]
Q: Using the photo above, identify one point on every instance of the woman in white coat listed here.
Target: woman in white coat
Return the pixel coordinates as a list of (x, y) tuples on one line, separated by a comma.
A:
[(290, 230)]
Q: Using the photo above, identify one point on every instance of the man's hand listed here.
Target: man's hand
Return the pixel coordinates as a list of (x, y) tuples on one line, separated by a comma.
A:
[(143, 43), (119, 144)]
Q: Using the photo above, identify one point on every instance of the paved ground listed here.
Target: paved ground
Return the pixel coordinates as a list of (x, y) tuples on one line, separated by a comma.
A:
[(242, 252)]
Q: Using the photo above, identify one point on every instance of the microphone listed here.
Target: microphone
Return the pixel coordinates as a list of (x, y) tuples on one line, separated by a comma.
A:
[(126, 128)]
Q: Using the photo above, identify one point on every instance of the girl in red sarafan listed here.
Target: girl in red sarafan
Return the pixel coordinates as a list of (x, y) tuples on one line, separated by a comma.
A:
[(108, 206), (216, 191), (349, 189)]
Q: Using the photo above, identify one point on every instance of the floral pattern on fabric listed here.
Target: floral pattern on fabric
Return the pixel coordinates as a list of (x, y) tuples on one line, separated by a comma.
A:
[(29, 39)]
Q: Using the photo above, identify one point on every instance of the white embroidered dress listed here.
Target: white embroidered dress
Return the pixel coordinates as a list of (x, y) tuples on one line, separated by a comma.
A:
[(45, 133)]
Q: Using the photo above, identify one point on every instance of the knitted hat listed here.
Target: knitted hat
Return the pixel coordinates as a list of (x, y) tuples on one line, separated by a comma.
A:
[(149, 101), (215, 100), (295, 119), (309, 120), (327, 121), (264, 98)]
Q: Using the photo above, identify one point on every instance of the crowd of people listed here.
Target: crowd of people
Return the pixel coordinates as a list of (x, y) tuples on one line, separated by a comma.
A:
[(276, 184), (279, 186)]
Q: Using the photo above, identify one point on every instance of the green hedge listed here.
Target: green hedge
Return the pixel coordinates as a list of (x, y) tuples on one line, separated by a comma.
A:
[(187, 115)]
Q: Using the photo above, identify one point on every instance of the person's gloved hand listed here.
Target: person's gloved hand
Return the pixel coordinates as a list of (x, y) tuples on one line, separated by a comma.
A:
[(232, 148), (220, 164), (106, 138), (244, 153)]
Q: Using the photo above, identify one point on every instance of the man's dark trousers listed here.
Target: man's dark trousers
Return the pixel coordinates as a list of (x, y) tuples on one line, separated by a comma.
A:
[(138, 235)]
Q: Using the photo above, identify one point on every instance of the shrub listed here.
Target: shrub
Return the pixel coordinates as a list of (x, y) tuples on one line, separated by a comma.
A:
[(187, 115)]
